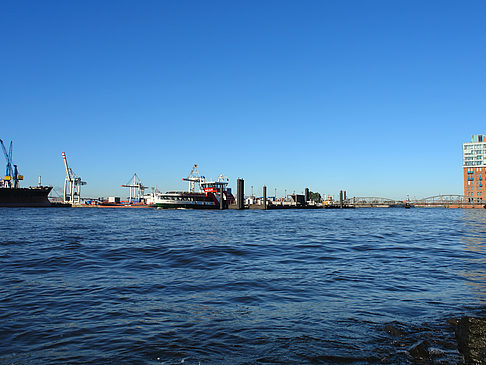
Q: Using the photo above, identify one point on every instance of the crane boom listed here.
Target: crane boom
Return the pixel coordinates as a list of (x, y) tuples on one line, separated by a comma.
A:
[(4, 150), (68, 174), (7, 157)]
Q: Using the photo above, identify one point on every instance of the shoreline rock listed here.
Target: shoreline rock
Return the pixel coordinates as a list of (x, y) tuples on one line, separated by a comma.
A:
[(471, 339), (420, 351)]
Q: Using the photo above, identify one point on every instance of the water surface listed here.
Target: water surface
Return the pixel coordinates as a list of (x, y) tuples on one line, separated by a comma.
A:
[(298, 286)]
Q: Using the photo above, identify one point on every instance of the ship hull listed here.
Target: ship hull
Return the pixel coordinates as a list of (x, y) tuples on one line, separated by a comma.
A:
[(185, 200), (185, 206), (25, 197)]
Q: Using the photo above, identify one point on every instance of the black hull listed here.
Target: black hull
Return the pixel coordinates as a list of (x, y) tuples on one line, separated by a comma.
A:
[(184, 206), (25, 197), (187, 200)]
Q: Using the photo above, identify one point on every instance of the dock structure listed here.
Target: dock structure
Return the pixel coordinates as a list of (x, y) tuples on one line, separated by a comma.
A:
[(294, 201), (353, 203)]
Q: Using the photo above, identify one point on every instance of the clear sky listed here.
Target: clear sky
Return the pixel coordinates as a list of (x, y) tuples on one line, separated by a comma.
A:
[(374, 97)]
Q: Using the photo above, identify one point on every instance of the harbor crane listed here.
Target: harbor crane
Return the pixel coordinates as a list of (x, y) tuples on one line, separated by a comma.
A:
[(136, 188), (72, 185), (12, 177), (193, 178)]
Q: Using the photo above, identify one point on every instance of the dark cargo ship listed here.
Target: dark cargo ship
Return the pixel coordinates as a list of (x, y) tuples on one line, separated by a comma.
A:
[(12, 195), (25, 197)]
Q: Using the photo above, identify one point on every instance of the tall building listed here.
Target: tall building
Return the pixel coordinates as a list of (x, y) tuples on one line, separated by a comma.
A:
[(474, 165)]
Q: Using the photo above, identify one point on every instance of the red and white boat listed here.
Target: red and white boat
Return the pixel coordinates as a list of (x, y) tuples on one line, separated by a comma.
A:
[(208, 197)]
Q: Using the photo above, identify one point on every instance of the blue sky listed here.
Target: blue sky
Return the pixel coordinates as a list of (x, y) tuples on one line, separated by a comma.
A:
[(374, 97)]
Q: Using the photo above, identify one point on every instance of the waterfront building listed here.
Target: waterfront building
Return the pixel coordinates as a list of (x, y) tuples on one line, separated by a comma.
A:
[(474, 167)]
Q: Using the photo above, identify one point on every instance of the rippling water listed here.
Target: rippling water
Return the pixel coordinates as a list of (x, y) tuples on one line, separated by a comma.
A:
[(240, 287)]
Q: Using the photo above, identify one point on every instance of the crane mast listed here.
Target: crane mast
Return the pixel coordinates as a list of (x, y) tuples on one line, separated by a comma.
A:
[(72, 185)]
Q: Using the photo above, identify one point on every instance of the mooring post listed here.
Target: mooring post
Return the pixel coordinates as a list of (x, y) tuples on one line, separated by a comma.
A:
[(221, 197), (341, 202), (240, 194), (264, 197)]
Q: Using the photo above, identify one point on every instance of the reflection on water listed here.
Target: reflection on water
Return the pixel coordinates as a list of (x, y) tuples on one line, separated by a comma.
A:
[(474, 240)]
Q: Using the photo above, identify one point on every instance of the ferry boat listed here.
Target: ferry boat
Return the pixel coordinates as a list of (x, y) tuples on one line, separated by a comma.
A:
[(208, 196)]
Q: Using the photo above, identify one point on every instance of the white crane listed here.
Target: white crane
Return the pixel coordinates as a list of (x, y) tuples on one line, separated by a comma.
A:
[(72, 185), (136, 188), (194, 178)]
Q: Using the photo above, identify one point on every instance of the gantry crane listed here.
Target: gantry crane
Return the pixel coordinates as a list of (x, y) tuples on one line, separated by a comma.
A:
[(194, 178), (72, 185), (136, 188), (12, 177)]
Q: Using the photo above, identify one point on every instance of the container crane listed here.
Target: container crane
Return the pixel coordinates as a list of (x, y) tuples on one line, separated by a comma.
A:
[(72, 185), (194, 178), (12, 177), (136, 188)]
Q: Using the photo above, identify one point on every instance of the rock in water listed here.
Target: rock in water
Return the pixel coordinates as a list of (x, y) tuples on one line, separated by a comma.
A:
[(453, 322), (420, 351), (471, 339), (394, 331)]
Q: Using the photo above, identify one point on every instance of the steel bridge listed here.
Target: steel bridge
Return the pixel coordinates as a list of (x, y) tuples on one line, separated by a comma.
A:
[(441, 200), (449, 200), (371, 200)]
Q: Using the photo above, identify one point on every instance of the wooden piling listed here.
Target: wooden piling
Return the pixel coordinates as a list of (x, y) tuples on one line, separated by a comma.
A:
[(221, 198), (264, 197), (240, 194)]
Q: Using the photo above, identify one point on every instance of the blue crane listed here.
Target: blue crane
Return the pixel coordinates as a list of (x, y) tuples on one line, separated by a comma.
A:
[(12, 177), (7, 181)]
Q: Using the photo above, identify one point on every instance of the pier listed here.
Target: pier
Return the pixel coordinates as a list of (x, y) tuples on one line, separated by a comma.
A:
[(293, 201)]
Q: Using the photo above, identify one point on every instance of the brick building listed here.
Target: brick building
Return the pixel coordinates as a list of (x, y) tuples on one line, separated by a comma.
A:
[(474, 166)]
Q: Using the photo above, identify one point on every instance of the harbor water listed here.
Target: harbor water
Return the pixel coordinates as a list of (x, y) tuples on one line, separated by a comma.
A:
[(147, 286)]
